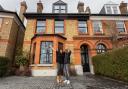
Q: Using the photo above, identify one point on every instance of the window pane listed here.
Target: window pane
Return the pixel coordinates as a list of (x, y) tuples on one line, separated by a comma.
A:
[(63, 7), (82, 26), (59, 30), (43, 59), (109, 11), (59, 9), (83, 30), (46, 53), (59, 26), (120, 26), (115, 10), (56, 11), (59, 23), (97, 26), (40, 29), (63, 11), (101, 48), (56, 7), (41, 26), (40, 23)]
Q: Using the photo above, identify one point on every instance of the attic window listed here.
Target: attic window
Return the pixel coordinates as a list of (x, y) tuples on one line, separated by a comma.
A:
[(59, 7), (115, 10), (109, 11)]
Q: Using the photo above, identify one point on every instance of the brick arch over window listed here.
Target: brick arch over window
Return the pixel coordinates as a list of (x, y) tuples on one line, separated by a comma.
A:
[(88, 43), (106, 43)]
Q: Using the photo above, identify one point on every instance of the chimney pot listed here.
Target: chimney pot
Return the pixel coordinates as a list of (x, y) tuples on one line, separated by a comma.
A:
[(23, 8), (39, 7), (80, 7), (123, 8)]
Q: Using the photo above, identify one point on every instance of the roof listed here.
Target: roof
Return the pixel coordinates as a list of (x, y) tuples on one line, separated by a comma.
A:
[(57, 35), (59, 3), (108, 14), (82, 16), (111, 3), (66, 15), (2, 10)]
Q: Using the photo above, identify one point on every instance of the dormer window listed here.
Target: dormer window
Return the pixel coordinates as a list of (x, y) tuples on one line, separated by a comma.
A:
[(59, 7), (110, 8)]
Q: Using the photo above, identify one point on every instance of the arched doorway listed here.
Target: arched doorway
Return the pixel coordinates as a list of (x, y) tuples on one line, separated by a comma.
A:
[(85, 58)]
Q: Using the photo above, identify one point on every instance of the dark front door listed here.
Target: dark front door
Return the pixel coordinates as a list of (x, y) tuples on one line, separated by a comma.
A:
[(85, 58)]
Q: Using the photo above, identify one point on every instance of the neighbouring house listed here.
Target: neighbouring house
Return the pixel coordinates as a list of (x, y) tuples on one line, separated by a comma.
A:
[(12, 32), (84, 33)]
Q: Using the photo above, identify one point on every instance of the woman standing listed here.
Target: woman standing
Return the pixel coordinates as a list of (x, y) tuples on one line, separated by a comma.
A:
[(60, 64), (66, 66)]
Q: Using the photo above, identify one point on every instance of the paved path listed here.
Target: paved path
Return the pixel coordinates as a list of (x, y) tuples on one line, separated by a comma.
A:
[(80, 82)]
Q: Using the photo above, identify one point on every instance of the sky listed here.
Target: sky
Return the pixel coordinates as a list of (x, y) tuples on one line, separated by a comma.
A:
[(95, 5)]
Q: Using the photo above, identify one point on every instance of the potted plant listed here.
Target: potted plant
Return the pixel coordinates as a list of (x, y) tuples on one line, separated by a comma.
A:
[(21, 59)]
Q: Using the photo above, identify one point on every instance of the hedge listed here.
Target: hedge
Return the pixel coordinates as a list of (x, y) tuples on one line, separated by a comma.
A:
[(3, 66), (113, 64)]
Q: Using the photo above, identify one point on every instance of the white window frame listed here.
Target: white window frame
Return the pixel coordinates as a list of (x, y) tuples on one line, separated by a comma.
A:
[(85, 26), (125, 31), (60, 9), (59, 25), (100, 25), (116, 9), (43, 26), (112, 10)]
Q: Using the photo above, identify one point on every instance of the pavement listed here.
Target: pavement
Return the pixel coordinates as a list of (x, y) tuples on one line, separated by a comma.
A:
[(87, 81)]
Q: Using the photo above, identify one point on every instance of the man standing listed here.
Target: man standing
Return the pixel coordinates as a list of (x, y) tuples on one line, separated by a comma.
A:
[(66, 65)]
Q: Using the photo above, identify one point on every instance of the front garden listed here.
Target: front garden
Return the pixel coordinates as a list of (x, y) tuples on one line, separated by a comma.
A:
[(112, 64)]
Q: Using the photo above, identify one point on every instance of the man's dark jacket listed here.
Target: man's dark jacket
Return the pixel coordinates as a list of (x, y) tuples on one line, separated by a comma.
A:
[(67, 57)]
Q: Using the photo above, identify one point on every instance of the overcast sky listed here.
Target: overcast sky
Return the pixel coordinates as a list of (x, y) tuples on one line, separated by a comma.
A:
[(95, 5)]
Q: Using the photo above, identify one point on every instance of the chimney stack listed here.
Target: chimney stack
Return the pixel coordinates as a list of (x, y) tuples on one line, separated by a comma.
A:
[(88, 10), (23, 8), (39, 7), (123, 8), (80, 7)]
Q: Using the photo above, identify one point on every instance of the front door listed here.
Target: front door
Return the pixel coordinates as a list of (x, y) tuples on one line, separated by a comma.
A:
[(85, 58)]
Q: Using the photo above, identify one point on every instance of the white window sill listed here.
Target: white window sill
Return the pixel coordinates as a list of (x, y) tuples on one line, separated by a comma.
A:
[(39, 65)]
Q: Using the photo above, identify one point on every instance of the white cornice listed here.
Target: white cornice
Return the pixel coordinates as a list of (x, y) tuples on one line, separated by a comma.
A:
[(108, 18)]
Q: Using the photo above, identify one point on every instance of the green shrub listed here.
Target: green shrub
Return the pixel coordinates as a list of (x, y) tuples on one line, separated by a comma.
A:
[(113, 64), (21, 57), (3, 66), (21, 60)]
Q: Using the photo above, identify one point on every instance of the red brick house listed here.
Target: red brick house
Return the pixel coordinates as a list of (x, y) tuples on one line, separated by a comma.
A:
[(85, 34)]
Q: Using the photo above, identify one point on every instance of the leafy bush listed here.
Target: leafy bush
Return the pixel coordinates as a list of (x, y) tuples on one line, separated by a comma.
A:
[(3, 66), (113, 64), (21, 57), (21, 60)]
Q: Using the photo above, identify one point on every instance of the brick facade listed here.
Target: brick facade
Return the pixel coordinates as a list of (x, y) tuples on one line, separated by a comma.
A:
[(82, 45), (11, 34), (73, 41)]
